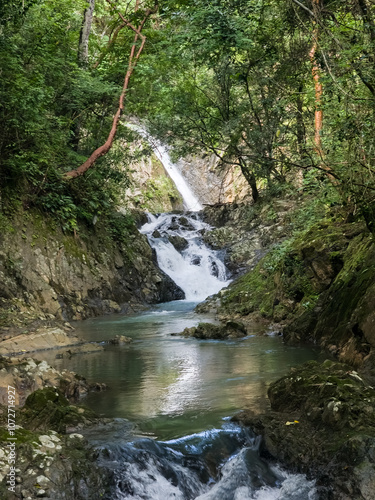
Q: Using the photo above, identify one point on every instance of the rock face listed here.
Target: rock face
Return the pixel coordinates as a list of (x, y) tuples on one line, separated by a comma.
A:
[(45, 274), (51, 464), (28, 375), (247, 232), (151, 190), (316, 287), (323, 423), (211, 183)]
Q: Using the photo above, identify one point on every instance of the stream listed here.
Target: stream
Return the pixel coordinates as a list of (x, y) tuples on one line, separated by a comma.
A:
[(172, 397), (177, 395)]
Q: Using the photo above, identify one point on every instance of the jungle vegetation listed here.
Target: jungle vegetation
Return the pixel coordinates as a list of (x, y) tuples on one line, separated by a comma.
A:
[(285, 89)]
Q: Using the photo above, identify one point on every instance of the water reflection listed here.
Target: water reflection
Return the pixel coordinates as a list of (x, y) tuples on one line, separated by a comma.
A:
[(172, 385)]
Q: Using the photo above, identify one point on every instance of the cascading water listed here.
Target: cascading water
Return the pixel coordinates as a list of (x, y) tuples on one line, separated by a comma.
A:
[(177, 240), (220, 464), (183, 255)]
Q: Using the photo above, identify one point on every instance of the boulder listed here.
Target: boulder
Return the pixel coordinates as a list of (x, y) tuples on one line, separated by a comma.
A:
[(120, 340), (48, 409), (178, 242), (230, 330), (169, 290), (322, 422)]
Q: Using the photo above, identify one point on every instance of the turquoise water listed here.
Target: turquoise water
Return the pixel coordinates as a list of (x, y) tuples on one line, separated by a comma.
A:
[(170, 386)]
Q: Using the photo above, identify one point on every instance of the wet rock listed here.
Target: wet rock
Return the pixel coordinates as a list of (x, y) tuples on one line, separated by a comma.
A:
[(178, 242), (184, 221), (174, 225), (156, 234), (214, 269), (322, 422), (169, 290), (120, 340), (218, 332), (196, 260)]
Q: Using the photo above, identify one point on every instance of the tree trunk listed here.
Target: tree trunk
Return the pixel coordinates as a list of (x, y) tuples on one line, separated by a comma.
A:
[(318, 125), (250, 178), (83, 46)]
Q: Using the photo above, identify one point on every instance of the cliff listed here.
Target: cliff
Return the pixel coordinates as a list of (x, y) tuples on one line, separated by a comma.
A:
[(48, 275)]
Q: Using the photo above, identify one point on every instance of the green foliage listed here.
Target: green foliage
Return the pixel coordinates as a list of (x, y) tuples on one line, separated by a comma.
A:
[(231, 77), (121, 226), (49, 109)]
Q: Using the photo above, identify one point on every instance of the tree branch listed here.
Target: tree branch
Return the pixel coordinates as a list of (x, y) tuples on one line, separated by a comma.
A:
[(304, 7), (133, 59)]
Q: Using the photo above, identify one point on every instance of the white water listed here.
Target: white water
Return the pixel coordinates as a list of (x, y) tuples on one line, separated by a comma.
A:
[(219, 464), (191, 202), (197, 269)]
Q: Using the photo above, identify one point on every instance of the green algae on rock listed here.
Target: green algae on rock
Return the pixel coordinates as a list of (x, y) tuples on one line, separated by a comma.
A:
[(232, 329), (322, 422)]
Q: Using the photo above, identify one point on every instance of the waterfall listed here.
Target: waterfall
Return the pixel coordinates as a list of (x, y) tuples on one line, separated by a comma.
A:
[(178, 239), (183, 255), (191, 202)]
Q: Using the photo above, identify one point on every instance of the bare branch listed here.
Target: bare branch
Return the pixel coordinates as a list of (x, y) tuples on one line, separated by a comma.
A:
[(304, 7)]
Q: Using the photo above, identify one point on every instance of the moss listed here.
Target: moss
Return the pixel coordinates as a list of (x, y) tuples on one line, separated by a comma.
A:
[(232, 329), (74, 249), (6, 225), (48, 409), (290, 280), (22, 436), (160, 195)]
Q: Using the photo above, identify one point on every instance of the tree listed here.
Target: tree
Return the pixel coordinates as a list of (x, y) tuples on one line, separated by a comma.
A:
[(133, 60), (83, 48), (232, 92)]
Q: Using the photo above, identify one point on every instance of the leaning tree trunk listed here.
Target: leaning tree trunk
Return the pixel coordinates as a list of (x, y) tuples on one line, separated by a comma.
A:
[(133, 59), (250, 178), (83, 47)]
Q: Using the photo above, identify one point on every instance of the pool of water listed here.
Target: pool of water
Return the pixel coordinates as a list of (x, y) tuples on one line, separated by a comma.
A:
[(170, 386)]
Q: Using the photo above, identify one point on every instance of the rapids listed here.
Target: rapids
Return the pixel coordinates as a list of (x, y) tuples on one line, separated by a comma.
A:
[(197, 269)]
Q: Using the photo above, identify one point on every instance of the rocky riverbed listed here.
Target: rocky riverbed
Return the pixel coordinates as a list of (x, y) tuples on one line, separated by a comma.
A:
[(53, 460), (322, 422)]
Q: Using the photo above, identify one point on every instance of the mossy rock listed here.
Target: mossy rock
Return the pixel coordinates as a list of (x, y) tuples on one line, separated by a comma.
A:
[(47, 409), (329, 395), (41, 398), (322, 422), (178, 242), (210, 331)]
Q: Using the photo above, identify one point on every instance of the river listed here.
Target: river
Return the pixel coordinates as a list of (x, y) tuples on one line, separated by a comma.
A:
[(172, 397)]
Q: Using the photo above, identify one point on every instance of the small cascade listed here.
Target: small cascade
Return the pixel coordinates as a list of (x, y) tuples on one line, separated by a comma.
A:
[(219, 464), (183, 255)]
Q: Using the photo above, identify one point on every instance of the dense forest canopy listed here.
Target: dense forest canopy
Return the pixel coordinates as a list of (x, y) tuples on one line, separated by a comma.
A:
[(285, 89)]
